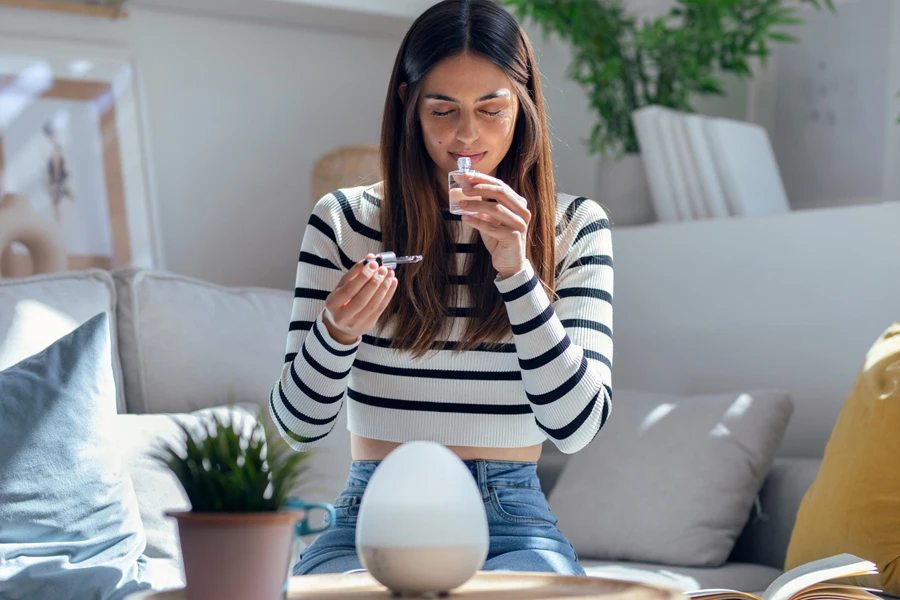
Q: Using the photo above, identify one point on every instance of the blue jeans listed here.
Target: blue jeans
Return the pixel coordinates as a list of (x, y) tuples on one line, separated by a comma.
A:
[(523, 533)]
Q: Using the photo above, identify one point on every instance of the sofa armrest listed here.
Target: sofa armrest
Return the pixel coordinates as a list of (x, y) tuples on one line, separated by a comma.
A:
[(765, 538)]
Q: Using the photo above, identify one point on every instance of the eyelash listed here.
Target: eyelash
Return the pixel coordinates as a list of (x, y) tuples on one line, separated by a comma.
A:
[(488, 113)]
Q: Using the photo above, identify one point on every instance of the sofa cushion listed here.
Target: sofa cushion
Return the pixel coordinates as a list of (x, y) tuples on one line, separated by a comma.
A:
[(768, 531), (140, 437), (854, 503), (36, 311), (69, 521), (187, 344), (670, 479), (745, 577)]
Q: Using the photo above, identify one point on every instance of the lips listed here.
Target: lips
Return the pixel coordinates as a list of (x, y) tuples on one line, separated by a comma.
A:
[(473, 157)]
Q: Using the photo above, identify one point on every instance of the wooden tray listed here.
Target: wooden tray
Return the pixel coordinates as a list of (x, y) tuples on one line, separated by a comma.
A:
[(485, 585)]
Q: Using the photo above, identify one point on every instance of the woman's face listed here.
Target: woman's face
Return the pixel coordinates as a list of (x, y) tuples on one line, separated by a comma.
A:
[(467, 107)]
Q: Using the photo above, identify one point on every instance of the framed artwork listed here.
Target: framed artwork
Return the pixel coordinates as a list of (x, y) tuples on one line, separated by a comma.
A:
[(72, 155), (111, 9)]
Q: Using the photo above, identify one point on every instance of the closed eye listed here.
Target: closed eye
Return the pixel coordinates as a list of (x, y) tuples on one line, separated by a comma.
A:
[(437, 113)]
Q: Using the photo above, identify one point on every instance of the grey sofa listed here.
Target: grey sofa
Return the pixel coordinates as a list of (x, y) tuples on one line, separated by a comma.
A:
[(161, 320), (744, 315)]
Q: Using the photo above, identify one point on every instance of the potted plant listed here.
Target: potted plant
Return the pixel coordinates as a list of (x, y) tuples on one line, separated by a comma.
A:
[(236, 539), (625, 62)]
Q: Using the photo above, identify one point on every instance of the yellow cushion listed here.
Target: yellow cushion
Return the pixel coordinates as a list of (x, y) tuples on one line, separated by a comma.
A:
[(854, 503)]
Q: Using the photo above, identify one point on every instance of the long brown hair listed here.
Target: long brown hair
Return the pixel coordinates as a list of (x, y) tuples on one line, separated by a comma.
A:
[(411, 218)]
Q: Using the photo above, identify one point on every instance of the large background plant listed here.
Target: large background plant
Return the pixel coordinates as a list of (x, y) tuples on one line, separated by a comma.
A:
[(625, 62)]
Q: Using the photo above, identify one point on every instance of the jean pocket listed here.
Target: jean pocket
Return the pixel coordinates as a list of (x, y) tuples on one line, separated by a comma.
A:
[(521, 505), (346, 506)]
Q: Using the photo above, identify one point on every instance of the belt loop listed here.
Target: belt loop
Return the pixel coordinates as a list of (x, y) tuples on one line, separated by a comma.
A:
[(482, 477)]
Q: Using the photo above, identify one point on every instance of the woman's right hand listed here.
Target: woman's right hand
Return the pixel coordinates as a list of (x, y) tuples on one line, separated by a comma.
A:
[(360, 297)]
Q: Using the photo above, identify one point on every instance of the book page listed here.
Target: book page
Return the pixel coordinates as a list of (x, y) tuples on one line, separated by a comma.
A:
[(822, 591), (720, 594), (817, 571)]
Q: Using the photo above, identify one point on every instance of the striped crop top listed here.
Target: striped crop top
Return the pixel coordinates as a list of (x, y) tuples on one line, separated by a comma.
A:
[(551, 379)]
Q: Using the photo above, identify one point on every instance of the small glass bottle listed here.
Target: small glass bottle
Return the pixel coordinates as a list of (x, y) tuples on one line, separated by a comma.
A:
[(457, 182)]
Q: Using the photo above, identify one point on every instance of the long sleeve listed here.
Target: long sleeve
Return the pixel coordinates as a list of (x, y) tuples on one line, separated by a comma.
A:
[(565, 347), (305, 402)]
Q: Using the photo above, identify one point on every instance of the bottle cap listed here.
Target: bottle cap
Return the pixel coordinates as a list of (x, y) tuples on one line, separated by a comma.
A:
[(464, 163)]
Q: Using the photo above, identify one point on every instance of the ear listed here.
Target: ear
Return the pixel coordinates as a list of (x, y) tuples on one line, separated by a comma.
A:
[(402, 91)]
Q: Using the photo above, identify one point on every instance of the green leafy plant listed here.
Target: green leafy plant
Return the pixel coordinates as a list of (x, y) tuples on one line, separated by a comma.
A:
[(227, 465), (625, 63)]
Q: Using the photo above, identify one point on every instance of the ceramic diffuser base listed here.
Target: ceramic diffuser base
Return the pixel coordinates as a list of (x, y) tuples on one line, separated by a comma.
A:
[(422, 571)]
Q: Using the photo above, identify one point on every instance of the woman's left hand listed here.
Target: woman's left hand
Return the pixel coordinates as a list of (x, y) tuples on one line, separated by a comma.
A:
[(503, 224)]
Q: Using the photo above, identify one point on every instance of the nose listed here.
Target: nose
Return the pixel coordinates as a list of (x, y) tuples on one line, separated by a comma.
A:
[(467, 129)]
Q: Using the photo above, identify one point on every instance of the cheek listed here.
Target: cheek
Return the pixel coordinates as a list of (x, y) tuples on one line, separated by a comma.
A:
[(505, 128), (435, 133)]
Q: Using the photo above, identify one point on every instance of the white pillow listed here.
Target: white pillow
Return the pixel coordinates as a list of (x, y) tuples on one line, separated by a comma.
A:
[(36, 311), (670, 479), (186, 344)]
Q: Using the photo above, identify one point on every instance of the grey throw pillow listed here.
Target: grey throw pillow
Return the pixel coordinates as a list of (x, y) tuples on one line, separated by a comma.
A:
[(670, 479), (69, 521)]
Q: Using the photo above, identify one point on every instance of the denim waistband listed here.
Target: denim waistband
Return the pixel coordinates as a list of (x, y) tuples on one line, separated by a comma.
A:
[(485, 472)]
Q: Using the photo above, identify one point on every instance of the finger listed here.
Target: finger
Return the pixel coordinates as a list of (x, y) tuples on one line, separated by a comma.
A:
[(498, 213), (478, 181), (389, 296), (473, 176), (354, 270), (504, 195), (380, 300), (346, 292), (485, 226), (364, 296)]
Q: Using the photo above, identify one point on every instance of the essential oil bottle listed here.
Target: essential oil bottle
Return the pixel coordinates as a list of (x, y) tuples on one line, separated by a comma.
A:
[(457, 182)]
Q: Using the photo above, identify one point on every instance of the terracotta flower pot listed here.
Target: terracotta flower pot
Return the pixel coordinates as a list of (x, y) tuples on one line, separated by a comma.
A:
[(235, 556)]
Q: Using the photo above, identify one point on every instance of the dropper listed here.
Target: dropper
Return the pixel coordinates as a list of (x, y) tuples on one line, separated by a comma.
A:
[(391, 260)]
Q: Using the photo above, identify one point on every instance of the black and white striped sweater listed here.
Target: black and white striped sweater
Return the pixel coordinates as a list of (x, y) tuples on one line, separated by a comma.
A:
[(551, 380)]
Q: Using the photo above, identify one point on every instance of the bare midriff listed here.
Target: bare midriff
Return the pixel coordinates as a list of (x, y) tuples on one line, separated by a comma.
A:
[(362, 448)]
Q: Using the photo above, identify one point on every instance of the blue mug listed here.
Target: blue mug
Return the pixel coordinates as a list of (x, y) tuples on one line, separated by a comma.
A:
[(303, 527)]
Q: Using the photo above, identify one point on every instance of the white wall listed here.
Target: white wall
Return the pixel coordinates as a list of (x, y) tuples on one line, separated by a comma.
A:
[(237, 113), (829, 104)]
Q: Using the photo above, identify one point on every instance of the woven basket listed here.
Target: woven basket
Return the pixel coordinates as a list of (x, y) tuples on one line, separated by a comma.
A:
[(347, 166)]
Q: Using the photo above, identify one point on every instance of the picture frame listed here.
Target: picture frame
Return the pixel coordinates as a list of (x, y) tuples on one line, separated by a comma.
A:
[(73, 144), (110, 9)]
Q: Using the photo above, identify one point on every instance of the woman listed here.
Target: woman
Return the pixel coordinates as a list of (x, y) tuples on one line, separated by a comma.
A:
[(465, 347)]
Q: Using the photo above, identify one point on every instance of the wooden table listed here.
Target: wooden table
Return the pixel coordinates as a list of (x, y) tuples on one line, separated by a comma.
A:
[(485, 585)]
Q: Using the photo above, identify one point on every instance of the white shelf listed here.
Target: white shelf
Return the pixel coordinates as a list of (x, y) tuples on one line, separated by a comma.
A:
[(371, 17), (405, 9)]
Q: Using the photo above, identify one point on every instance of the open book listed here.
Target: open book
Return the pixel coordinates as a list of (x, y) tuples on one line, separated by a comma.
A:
[(807, 582)]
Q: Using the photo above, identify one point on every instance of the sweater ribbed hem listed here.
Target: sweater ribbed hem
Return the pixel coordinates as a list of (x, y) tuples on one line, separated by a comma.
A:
[(485, 431)]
